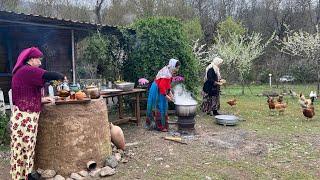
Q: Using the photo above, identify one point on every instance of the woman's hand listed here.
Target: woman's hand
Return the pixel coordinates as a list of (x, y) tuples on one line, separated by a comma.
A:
[(170, 98), (45, 100), (219, 83)]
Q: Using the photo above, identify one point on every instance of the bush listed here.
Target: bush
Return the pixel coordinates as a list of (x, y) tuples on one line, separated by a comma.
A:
[(101, 58), (157, 40), (303, 73), (4, 134)]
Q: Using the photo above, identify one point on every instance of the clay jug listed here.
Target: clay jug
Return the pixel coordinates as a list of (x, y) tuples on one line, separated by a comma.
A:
[(117, 136)]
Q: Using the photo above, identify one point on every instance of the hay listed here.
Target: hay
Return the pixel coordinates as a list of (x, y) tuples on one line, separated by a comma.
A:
[(71, 135)]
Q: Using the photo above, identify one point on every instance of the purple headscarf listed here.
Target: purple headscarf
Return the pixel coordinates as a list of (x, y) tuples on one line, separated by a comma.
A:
[(26, 54)]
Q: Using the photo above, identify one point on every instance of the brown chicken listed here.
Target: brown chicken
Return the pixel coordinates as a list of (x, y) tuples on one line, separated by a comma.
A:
[(280, 107), (308, 112), (232, 102)]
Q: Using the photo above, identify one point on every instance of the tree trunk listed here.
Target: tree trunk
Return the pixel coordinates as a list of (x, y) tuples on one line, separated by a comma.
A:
[(318, 81), (243, 86)]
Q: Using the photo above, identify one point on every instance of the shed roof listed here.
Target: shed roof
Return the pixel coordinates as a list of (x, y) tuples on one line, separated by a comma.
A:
[(38, 20)]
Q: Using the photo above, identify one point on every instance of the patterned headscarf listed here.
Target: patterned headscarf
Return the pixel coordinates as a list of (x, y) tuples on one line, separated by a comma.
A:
[(166, 72), (26, 54), (214, 64)]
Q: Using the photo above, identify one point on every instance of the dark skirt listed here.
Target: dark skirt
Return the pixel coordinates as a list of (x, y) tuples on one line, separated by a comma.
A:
[(210, 103)]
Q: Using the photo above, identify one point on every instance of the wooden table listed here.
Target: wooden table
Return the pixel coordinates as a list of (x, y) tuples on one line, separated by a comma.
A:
[(121, 119)]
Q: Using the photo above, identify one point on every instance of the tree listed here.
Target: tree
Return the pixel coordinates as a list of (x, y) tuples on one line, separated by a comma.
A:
[(238, 53), (229, 27), (9, 5), (303, 44), (97, 10)]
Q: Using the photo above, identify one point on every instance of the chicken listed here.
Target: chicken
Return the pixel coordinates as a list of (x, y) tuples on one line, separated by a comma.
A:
[(279, 106), (232, 102), (304, 103), (308, 109), (280, 99), (308, 112), (293, 94), (313, 94), (271, 103)]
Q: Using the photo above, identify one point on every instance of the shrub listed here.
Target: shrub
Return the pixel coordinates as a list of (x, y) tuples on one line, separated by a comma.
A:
[(157, 40), (4, 134)]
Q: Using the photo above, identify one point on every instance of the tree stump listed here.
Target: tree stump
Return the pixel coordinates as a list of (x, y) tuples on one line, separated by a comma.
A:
[(70, 135)]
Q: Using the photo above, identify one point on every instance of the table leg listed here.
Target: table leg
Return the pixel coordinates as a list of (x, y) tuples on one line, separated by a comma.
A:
[(138, 108), (120, 107)]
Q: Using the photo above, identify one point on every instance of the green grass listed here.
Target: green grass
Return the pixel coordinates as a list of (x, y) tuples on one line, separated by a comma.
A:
[(280, 130)]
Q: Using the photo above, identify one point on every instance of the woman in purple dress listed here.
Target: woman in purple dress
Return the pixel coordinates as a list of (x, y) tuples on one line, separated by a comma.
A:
[(27, 81)]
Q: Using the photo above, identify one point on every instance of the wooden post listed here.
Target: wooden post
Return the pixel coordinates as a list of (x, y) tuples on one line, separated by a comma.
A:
[(120, 107), (138, 108)]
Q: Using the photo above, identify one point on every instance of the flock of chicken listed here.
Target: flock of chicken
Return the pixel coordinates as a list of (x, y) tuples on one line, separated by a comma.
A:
[(278, 105)]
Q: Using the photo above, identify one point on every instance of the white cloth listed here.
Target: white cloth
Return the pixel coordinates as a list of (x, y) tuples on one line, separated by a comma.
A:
[(166, 72), (214, 64)]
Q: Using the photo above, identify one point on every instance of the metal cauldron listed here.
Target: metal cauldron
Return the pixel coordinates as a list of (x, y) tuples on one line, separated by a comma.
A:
[(186, 110)]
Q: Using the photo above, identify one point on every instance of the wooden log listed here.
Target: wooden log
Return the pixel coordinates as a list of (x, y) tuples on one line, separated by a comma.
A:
[(70, 135)]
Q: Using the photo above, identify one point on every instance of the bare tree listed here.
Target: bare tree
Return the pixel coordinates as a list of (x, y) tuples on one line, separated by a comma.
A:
[(97, 10), (9, 5)]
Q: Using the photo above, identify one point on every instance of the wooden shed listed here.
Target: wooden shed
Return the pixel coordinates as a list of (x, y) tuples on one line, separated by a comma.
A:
[(57, 39)]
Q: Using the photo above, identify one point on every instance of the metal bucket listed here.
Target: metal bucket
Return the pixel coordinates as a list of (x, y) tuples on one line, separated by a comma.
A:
[(229, 120)]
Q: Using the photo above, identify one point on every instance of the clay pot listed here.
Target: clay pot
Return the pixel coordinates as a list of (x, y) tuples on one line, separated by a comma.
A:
[(117, 136), (93, 92)]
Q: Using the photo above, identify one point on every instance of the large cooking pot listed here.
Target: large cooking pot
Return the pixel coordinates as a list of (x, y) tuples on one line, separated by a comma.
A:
[(186, 109)]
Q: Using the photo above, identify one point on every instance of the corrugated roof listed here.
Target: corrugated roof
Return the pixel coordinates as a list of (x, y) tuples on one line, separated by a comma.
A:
[(9, 16)]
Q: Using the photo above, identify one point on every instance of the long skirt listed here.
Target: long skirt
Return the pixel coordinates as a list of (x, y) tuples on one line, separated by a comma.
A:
[(157, 109), (210, 103), (24, 128)]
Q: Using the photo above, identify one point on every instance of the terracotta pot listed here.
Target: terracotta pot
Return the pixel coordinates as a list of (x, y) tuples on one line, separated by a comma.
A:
[(117, 136)]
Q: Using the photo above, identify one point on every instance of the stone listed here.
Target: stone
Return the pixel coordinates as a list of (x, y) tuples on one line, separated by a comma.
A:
[(107, 171), (40, 171), (69, 179), (59, 177), (76, 176), (95, 172), (48, 174), (111, 161), (83, 173), (159, 159), (117, 156)]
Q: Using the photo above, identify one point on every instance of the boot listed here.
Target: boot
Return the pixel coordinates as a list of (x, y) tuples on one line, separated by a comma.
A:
[(215, 112), (34, 176)]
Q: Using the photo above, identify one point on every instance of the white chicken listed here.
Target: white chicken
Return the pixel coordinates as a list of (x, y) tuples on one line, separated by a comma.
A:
[(313, 94)]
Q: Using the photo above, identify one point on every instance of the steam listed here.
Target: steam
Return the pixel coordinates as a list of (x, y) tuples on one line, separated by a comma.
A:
[(182, 96)]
